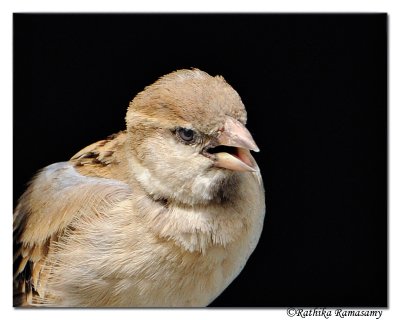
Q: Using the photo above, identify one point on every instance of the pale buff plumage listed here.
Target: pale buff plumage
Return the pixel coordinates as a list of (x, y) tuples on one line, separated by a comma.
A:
[(143, 219)]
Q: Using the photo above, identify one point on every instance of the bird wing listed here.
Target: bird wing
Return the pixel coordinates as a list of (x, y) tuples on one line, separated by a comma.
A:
[(99, 159), (57, 196)]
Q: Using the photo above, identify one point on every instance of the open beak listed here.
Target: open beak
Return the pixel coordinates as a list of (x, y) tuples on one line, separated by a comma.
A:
[(233, 148)]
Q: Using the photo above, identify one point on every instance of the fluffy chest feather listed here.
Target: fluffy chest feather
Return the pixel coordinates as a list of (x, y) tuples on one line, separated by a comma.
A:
[(156, 256)]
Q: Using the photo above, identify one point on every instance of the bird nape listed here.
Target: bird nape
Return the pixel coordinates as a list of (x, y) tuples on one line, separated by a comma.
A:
[(163, 214)]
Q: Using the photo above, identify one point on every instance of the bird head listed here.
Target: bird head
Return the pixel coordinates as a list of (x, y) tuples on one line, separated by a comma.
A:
[(187, 140)]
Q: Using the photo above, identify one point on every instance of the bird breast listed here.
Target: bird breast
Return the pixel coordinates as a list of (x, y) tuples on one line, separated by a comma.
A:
[(156, 255)]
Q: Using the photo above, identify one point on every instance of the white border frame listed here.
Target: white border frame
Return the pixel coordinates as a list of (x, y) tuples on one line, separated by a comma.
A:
[(7, 7)]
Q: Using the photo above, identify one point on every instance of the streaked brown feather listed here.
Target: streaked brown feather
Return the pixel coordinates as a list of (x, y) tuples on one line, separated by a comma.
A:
[(100, 158)]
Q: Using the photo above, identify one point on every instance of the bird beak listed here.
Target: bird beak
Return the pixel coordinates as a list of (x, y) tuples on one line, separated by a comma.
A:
[(238, 158)]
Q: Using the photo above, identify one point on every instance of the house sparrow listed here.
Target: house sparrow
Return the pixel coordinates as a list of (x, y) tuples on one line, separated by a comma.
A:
[(163, 214)]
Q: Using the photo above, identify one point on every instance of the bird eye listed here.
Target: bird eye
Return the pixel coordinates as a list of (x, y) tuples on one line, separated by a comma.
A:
[(186, 134)]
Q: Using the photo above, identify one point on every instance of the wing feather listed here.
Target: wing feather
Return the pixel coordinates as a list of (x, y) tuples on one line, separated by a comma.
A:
[(101, 159), (55, 198)]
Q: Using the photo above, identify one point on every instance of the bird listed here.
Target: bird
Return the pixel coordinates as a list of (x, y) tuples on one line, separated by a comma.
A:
[(165, 213)]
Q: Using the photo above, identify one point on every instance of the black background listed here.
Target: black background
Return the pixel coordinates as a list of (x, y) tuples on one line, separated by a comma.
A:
[(315, 90)]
